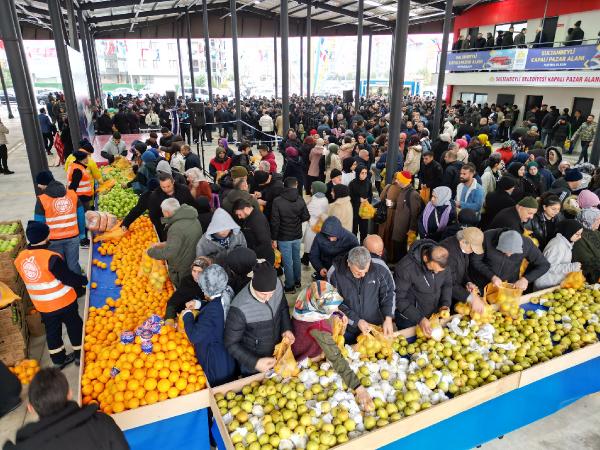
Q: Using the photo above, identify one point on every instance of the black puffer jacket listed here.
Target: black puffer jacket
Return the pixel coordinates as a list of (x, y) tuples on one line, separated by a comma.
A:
[(71, 428), (256, 231), (494, 262), (431, 174), (542, 228), (182, 193), (458, 265), (478, 156), (253, 328), (420, 292), (370, 298), (288, 213)]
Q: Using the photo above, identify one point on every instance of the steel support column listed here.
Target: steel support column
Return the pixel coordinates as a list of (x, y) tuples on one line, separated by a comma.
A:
[(10, 33), (64, 65), (73, 36), (191, 60), (207, 50), (236, 69), (392, 65), (96, 71), (178, 26), (275, 59), (285, 66), (359, 34), (437, 112), (308, 50), (10, 114), (86, 56), (301, 66), (399, 60), (369, 64), (595, 152)]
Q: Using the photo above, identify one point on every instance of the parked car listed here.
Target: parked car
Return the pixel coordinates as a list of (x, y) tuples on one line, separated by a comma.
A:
[(124, 92), (11, 96)]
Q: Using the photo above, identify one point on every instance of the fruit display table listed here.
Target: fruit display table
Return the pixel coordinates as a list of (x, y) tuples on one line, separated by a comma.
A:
[(474, 417)]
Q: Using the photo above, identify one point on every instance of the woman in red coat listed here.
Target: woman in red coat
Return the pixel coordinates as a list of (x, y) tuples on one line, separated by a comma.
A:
[(219, 164)]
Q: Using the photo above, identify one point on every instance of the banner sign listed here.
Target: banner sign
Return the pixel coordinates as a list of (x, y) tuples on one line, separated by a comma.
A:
[(579, 57), (542, 79)]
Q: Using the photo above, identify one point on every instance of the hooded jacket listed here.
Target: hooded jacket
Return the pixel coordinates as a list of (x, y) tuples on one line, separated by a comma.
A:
[(494, 262), (209, 246), (458, 266), (412, 163), (587, 251), (256, 231), (553, 168), (420, 292), (559, 253), (238, 264), (183, 233), (370, 298), (287, 215), (342, 209), (71, 428), (253, 328), (324, 251), (431, 174), (56, 189)]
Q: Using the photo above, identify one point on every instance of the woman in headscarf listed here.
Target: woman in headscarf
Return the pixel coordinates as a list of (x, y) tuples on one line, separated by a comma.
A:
[(516, 172), (314, 172), (545, 221), (219, 164), (348, 170), (559, 253), (332, 161), (462, 154), (313, 310), (554, 158), (222, 142), (587, 249), (535, 184), (317, 208), (361, 191), (188, 290), (205, 329), (437, 215), (239, 263), (341, 207)]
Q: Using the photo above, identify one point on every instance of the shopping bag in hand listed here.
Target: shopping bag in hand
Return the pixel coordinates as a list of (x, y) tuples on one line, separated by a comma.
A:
[(285, 365)]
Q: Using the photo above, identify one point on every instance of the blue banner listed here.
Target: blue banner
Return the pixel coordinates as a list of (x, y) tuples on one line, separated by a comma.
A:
[(484, 60), (578, 57)]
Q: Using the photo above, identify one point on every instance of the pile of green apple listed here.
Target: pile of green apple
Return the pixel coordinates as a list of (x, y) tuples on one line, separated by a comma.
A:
[(7, 245), (316, 410), (9, 228), (118, 201)]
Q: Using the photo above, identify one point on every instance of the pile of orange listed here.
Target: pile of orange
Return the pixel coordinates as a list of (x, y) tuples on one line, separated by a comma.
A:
[(25, 370), (121, 376)]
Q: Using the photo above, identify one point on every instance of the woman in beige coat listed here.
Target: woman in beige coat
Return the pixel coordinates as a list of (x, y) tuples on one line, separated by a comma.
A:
[(342, 207), (412, 163)]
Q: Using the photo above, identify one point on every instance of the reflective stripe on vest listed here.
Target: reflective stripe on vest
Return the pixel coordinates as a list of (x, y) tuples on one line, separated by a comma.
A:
[(85, 185), (47, 292), (61, 215)]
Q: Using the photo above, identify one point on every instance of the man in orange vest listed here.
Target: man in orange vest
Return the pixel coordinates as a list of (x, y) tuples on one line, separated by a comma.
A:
[(53, 289), (80, 180), (63, 212)]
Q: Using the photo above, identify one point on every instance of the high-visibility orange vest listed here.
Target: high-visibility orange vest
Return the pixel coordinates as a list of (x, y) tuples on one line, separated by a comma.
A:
[(47, 293), (86, 187), (61, 215)]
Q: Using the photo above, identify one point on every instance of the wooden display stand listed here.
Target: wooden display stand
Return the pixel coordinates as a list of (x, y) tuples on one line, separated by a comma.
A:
[(442, 411)]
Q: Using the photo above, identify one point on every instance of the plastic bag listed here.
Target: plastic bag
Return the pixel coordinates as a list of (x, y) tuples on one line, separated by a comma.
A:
[(337, 332), (567, 144), (318, 225), (366, 211), (437, 332), (154, 270), (373, 344), (121, 162), (574, 280), (286, 365), (506, 297), (277, 263), (7, 296), (106, 186), (114, 234), (100, 221), (425, 194)]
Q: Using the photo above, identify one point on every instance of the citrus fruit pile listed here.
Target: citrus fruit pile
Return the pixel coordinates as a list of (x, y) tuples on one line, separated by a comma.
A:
[(25, 370), (121, 376)]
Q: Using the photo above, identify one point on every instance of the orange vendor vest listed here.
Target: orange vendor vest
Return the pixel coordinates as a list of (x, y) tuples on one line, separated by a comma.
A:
[(61, 215), (47, 293), (86, 187)]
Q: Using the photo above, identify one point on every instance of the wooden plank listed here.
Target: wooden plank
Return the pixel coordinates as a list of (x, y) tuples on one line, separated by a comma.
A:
[(219, 419), (527, 298), (559, 364)]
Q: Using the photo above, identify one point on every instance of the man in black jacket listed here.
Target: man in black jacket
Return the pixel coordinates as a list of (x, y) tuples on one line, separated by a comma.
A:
[(332, 241), (62, 423), (498, 200), (191, 159), (255, 227), (423, 285), (516, 216), (504, 251), (257, 320), (460, 247), (452, 173), (367, 292), (431, 172), (288, 213), (270, 187)]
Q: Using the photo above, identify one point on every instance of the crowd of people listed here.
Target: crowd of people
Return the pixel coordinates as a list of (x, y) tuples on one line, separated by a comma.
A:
[(384, 249)]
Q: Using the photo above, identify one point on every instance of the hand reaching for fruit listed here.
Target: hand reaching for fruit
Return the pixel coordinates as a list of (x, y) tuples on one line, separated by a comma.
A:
[(265, 364), (425, 327), (477, 305), (363, 399), (388, 327), (522, 284), (364, 326), (496, 281)]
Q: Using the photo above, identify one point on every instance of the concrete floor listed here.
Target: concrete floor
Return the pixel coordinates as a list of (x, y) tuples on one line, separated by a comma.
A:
[(574, 427)]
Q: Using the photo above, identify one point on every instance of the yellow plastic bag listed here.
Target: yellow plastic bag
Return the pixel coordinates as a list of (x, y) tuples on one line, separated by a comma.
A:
[(277, 263), (106, 186), (366, 211), (567, 144), (121, 162), (425, 194), (154, 270), (574, 280), (506, 297), (286, 365), (374, 344), (114, 234), (7, 296), (318, 225), (337, 332)]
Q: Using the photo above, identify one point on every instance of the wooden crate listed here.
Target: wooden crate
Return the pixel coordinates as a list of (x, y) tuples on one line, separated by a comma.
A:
[(14, 336), (19, 232), (7, 258)]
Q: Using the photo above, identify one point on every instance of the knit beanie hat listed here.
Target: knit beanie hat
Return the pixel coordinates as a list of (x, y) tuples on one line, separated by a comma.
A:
[(403, 178), (586, 199), (370, 139), (291, 152), (44, 178), (335, 173), (238, 172), (532, 164), (86, 145), (36, 232), (510, 242), (573, 175), (505, 183), (261, 177), (568, 228), (163, 166), (318, 186), (148, 156), (528, 202), (313, 132), (462, 143), (468, 217), (264, 277), (80, 155), (340, 191)]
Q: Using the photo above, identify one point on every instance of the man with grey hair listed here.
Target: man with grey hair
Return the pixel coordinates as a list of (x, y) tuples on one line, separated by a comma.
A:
[(183, 233), (367, 291)]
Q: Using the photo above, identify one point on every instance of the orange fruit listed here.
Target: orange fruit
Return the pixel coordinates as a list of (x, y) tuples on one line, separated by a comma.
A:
[(163, 385), (164, 372), (133, 403), (151, 397), (181, 384), (118, 407), (173, 392), (139, 374), (133, 384), (150, 384), (173, 377)]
